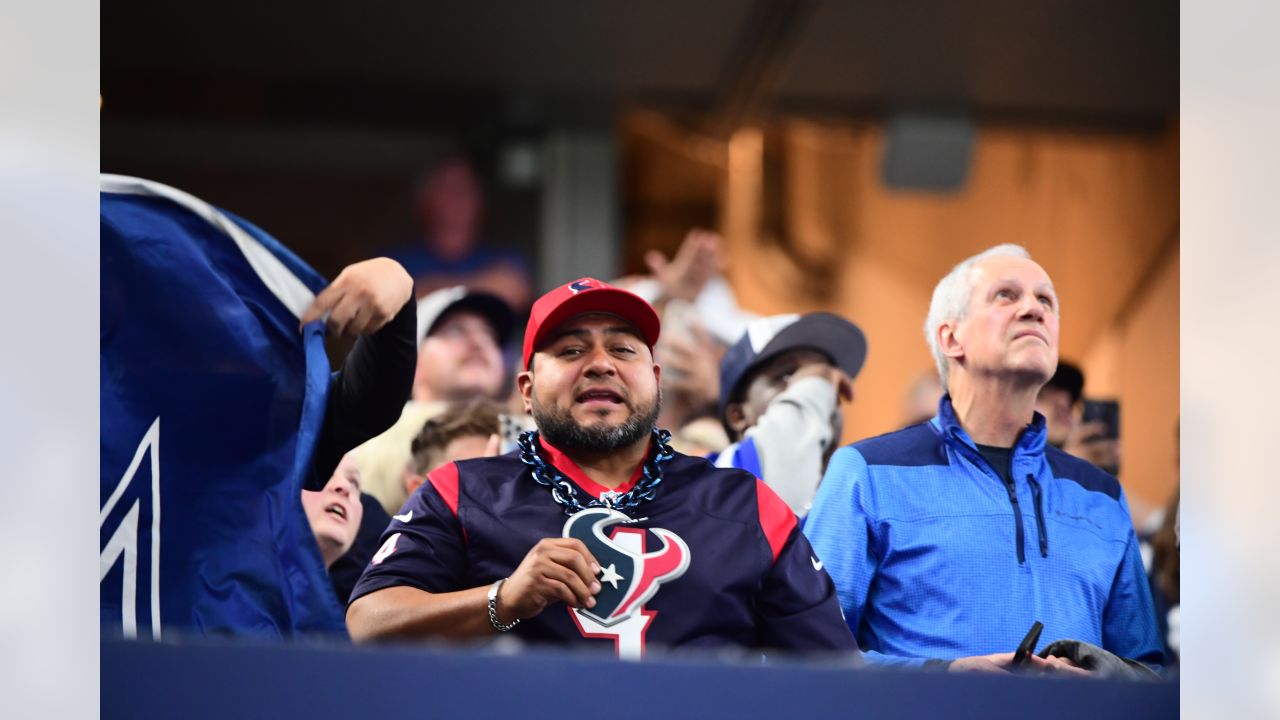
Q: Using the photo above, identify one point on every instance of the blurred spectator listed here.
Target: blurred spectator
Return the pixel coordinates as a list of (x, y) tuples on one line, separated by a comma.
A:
[(460, 432), (1059, 402), (335, 511), (920, 402), (702, 436), (346, 571), (700, 318), (695, 276), (450, 250), (1161, 553), (459, 333), (780, 392), (1165, 577)]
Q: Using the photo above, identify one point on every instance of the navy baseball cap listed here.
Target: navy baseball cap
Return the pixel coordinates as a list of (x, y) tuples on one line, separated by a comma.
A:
[(1069, 378), (769, 337), (434, 306)]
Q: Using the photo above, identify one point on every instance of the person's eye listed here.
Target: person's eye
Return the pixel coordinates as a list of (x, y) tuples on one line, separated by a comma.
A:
[(624, 350), (1046, 301), (1004, 294), (570, 351)]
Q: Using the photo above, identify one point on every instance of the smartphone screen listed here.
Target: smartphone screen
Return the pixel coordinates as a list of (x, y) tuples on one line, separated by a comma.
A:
[(1107, 412)]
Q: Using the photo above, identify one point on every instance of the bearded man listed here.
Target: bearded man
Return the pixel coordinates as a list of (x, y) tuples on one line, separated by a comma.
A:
[(594, 532)]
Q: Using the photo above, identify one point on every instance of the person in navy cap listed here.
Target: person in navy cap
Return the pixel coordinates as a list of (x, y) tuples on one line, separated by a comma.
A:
[(594, 532), (781, 386)]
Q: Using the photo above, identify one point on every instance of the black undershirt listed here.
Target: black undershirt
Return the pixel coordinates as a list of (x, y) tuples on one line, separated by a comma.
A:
[(999, 458)]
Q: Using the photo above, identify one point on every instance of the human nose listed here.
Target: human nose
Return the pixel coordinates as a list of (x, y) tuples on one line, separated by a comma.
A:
[(474, 339), (599, 362), (1031, 307)]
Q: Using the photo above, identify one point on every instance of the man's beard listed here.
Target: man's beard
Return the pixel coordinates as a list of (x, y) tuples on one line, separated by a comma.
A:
[(561, 430)]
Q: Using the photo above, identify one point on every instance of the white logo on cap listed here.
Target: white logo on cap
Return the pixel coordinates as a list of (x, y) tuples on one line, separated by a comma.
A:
[(762, 330)]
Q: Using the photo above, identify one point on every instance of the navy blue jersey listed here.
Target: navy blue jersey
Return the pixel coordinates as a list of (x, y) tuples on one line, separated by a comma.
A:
[(749, 577)]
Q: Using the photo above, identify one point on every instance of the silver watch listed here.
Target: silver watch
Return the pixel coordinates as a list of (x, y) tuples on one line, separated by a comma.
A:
[(493, 609)]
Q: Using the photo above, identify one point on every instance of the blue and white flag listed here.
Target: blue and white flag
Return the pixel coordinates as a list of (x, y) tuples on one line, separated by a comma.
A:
[(211, 403)]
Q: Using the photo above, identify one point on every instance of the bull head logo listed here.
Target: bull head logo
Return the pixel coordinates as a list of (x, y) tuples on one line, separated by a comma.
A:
[(627, 579)]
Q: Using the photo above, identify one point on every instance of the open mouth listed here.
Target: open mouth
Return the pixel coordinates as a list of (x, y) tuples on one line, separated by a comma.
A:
[(337, 509), (599, 395)]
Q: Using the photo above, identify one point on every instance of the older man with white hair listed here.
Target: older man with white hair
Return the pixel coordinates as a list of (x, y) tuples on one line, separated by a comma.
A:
[(949, 539)]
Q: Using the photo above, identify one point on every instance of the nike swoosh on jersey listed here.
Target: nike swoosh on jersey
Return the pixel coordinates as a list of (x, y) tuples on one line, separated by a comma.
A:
[(405, 517), (817, 564)]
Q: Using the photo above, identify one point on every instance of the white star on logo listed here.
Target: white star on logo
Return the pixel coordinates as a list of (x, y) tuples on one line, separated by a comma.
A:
[(610, 575)]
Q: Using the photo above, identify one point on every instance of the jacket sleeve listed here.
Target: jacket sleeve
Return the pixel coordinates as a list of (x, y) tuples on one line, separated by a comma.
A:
[(1129, 627), (368, 393), (425, 545), (841, 528), (796, 607), (792, 437)]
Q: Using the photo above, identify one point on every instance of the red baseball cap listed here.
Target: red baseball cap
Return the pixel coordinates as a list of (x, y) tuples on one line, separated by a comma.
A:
[(587, 295)]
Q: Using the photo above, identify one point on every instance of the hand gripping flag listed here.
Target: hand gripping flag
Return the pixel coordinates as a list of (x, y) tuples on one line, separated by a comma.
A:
[(211, 403)]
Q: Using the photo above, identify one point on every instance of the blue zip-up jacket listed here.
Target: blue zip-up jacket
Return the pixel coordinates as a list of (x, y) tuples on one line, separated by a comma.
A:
[(934, 556)]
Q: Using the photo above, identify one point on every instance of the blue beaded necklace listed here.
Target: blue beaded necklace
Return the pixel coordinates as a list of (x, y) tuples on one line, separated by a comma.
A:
[(564, 494)]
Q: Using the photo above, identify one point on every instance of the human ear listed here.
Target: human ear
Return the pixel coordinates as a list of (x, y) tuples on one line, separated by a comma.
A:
[(524, 383), (948, 342), (736, 418)]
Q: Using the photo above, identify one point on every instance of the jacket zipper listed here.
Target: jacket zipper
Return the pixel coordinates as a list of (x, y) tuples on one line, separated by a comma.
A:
[(1017, 514), (1040, 528)]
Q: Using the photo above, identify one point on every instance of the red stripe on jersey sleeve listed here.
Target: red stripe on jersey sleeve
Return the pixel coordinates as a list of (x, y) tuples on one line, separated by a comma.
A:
[(776, 519), (445, 480)]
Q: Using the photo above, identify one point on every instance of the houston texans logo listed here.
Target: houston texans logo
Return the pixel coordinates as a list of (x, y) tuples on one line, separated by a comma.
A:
[(579, 285), (627, 579)]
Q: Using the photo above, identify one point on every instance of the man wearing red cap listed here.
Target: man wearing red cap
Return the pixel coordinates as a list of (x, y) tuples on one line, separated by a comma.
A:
[(594, 532)]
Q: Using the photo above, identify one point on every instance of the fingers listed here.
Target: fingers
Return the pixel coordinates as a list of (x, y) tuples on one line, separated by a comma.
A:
[(555, 569), (1090, 430), (656, 262), (569, 585), (981, 663), (363, 297), (1062, 666), (834, 375), (1001, 659), (323, 302), (343, 317)]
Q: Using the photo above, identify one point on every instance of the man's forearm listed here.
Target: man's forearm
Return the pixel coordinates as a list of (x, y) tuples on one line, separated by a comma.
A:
[(406, 612)]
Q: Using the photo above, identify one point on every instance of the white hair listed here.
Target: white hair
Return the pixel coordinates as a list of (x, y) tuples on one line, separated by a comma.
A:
[(951, 299)]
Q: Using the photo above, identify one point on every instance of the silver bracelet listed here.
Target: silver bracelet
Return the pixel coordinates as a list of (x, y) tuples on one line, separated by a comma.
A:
[(493, 609)]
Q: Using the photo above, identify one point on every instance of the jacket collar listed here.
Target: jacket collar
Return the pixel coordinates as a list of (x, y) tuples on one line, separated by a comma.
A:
[(1030, 442)]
